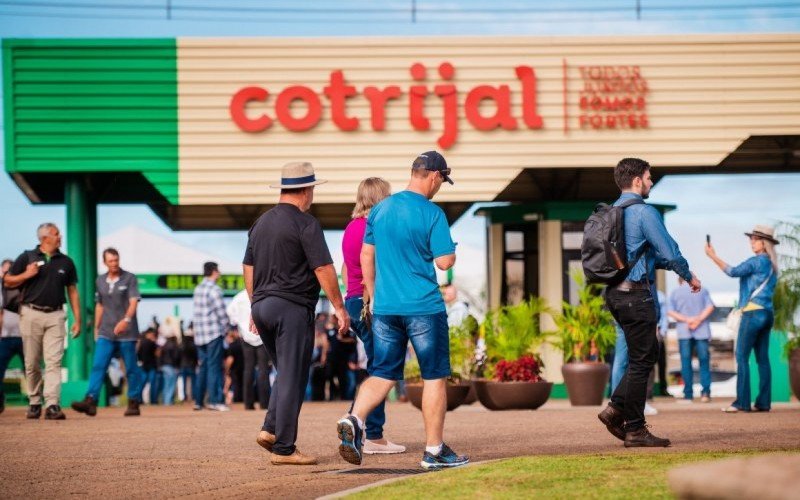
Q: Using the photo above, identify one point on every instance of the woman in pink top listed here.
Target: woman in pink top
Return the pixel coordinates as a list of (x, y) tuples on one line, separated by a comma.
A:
[(370, 192)]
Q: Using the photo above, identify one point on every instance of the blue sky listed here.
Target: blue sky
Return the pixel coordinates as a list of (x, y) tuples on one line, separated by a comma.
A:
[(724, 206)]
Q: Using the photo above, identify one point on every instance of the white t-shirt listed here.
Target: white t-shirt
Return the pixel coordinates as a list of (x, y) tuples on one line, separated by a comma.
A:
[(239, 314)]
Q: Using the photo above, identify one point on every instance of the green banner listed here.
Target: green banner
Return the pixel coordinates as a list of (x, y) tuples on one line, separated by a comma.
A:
[(183, 285)]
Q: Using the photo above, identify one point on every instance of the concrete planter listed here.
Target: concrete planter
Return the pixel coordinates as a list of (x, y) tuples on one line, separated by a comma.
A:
[(512, 395), (794, 372), (456, 394), (586, 382)]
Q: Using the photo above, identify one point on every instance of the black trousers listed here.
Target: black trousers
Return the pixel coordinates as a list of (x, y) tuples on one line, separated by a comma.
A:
[(636, 314), (662, 367), (255, 357), (287, 330)]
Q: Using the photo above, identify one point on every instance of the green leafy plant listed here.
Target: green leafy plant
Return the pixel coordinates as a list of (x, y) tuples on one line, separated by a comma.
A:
[(585, 330), (514, 331), (786, 300)]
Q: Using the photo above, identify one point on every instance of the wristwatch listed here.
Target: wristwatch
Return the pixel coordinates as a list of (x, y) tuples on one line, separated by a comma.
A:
[(126, 319)]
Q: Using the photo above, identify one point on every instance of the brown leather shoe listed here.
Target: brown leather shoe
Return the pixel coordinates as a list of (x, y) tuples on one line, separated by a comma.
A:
[(266, 440), (53, 412), (133, 408), (87, 406), (643, 438), (295, 458), (34, 412), (614, 421)]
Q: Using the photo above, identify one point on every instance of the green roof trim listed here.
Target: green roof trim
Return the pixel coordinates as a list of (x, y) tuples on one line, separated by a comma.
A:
[(93, 106)]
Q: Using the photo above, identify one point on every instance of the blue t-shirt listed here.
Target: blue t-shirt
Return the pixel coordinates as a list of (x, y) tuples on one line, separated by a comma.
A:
[(408, 232), (684, 302)]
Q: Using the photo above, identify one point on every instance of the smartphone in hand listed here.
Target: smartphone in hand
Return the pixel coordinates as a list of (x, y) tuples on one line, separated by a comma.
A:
[(708, 239)]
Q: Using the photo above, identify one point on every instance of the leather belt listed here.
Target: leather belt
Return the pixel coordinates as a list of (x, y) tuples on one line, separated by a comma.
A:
[(45, 309), (627, 286)]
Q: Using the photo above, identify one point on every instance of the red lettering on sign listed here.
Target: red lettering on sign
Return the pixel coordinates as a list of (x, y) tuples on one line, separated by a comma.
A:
[(338, 93), (284, 104), (377, 103), (613, 97), (239, 103)]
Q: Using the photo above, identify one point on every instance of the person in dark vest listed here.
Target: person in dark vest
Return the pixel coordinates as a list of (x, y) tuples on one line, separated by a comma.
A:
[(43, 274), (634, 303), (285, 264), (116, 329)]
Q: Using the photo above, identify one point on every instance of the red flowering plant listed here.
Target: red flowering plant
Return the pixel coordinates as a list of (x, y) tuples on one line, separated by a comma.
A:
[(513, 337), (528, 368)]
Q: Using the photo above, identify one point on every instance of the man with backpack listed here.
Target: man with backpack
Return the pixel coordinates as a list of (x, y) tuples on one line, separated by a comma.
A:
[(623, 246)]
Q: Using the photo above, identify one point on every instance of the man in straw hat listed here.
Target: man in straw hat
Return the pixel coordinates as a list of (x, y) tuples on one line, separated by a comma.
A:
[(286, 262), (406, 235)]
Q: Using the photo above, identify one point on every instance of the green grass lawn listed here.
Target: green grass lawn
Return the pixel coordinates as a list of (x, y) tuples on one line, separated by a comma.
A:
[(632, 475)]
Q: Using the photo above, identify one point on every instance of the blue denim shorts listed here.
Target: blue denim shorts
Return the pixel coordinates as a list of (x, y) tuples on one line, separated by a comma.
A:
[(429, 336)]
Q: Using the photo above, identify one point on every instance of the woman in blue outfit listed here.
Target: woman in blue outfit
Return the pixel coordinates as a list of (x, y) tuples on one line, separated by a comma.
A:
[(757, 278)]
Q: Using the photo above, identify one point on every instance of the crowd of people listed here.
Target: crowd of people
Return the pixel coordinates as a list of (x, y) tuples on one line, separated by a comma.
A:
[(268, 346)]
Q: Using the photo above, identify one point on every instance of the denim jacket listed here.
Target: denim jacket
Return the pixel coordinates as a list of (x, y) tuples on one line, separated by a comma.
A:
[(645, 227), (751, 274)]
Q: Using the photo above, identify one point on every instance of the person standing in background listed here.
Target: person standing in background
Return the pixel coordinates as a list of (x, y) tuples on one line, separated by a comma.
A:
[(691, 312), (188, 372), (147, 354), (255, 356), (10, 336), (43, 274), (116, 329), (758, 276), (210, 325), (169, 360), (663, 327)]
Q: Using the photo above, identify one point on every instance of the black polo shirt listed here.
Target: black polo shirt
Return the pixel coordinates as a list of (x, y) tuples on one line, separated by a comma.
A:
[(285, 246), (46, 289)]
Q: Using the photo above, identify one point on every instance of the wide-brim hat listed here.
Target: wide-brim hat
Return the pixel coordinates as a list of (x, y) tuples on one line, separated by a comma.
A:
[(296, 175), (764, 232)]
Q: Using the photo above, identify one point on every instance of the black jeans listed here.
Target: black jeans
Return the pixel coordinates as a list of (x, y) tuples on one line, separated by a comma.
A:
[(636, 314), (287, 330), (255, 357)]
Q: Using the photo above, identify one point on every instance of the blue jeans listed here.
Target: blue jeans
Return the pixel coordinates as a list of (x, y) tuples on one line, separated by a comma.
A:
[(377, 417), (9, 346), (687, 373), (210, 374), (620, 359), (189, 377), (170, 374), (104, 350), (428, 334), (150, 379), (754, 335)]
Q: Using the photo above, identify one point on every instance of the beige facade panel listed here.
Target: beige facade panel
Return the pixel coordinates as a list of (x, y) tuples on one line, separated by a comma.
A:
[(704, 96)]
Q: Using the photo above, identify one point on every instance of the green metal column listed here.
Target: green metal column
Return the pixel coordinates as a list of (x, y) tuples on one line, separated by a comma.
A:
[(81, 245)]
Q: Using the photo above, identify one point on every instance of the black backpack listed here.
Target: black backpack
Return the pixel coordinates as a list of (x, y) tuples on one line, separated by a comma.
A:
[(603, 253)]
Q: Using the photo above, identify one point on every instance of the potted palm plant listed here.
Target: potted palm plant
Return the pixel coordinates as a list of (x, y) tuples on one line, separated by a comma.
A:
[(513, 336), (462, 365), (787, 300), (585, 333)]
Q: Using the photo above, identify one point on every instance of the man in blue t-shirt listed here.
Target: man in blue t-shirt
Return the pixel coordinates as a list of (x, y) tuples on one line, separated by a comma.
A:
[(406, 234)]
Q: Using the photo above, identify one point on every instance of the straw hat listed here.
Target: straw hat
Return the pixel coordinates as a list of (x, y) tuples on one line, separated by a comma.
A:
[(764, 232), (296, 175)]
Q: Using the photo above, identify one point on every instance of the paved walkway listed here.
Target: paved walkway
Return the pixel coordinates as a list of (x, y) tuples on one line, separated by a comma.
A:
[(174, 451)]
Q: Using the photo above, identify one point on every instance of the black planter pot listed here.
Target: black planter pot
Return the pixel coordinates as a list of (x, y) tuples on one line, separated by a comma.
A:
[(586, 382), (456, 394), (512, 395)]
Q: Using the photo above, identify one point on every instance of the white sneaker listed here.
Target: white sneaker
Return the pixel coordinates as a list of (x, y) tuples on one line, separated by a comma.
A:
[(373, 448), (649, 411), (219, 407)]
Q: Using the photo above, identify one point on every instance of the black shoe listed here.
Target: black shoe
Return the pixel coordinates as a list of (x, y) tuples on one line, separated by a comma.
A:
[(87, 406), (133, 408), (54, 412), (34, 412), (614, 421), (351, 435), (643, 438)]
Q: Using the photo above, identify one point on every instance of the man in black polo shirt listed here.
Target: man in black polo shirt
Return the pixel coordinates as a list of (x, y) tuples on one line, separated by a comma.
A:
[(116, 330), (284, 265), (44, 273)]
